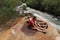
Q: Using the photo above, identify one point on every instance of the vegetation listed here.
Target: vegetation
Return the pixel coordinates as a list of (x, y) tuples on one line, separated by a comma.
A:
[(7, 7), (24, 7), (7, 11), (51, 6)]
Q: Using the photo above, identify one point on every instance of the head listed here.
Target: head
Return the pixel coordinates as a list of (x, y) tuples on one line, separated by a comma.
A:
[(34, 18)]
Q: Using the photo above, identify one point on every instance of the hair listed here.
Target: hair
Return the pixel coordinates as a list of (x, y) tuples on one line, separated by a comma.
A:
[(34, 18)]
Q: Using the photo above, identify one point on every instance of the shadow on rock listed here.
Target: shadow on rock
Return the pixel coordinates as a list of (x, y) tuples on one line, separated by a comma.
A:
[(27, 31)]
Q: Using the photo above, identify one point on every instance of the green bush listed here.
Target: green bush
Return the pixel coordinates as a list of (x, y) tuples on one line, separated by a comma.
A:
[(7, 11), (33, 3), (24, 7), (51, 6)]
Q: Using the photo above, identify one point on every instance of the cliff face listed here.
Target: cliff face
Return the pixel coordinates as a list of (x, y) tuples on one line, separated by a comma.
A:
[(21, 32)]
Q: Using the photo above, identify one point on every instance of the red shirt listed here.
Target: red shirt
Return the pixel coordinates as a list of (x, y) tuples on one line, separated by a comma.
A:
[(31, 22)]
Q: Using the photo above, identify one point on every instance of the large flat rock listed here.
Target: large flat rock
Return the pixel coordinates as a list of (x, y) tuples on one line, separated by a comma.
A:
[(21, 32), (26, 34)]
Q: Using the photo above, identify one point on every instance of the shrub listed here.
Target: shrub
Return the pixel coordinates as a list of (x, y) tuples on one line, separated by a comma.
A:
[(7, 11), (51, 6)]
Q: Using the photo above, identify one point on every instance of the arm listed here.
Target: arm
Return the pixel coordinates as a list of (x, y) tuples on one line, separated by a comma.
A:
[(35, 25)]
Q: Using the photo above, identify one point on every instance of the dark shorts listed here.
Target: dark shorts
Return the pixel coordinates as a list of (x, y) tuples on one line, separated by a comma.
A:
[(30, 27)]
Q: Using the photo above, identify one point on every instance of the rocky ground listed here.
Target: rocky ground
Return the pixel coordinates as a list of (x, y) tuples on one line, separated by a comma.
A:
[(21, 32)]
